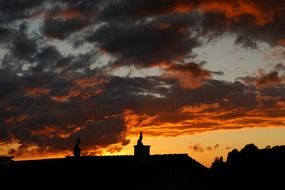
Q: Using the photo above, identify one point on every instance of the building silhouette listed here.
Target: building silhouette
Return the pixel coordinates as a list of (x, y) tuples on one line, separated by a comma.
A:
[(250, 168), (141, 152), (139, 171)]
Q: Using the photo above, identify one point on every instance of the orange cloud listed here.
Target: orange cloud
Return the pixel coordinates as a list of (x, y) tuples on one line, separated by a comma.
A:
[(67, 97), (263, 79), (189, 75), (163, 26), (89, 82), (17, 119), (137, 120), (37, 91), (46, 131), (182, 8), (200, 108), (281, 42), (269, 79), (104, 150), (51, 131), (68, 14), (84, 88), (280, 103), (232, 10), (31, 151), (209, 117)]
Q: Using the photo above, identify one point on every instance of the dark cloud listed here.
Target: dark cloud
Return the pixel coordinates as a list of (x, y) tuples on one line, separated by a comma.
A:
[(189, 75), (193, 68), (145, 43), (4, 33), (251, 21), (104, 132), (85, 7), (17, 5), (216, 17), (8, 84), (268, 79), (265, 79), (273, 91), (146, 33), (246, 42), (209, 148), (220, 73), (57, 28), (30, 53), (201, 148), (23, 47), (248, 35), (46, 57), (279, 67), (118, 10), (216, 146), (196, 148), (17, 9), (143, 35)]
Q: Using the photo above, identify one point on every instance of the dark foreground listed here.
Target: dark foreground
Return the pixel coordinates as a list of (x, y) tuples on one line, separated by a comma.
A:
[(250, 168)]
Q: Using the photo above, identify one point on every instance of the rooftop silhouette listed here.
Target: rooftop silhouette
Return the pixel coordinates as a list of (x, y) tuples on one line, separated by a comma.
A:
[(141, 151), (249, 168)]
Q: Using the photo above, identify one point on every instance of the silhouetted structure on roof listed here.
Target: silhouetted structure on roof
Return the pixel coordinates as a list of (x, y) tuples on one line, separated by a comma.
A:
[(141, 151), (249, 168), (141, 170), (139, 142), (76, 150)]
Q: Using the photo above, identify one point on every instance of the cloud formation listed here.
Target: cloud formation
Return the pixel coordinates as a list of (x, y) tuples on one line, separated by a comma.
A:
[(201, 148), (265, 79)]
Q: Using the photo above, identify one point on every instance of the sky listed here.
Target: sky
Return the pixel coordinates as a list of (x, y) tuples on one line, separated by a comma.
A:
[(200, 77)]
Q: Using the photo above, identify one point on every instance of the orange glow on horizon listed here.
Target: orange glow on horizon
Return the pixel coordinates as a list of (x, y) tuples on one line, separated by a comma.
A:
[(221, 141), (210, 144)]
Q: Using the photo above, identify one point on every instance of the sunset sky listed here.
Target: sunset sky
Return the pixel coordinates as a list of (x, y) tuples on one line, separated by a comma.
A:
[(196, 76)]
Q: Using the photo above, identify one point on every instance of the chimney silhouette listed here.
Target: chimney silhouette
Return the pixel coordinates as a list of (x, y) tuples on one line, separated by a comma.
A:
[(76, 149), (141, 151)]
